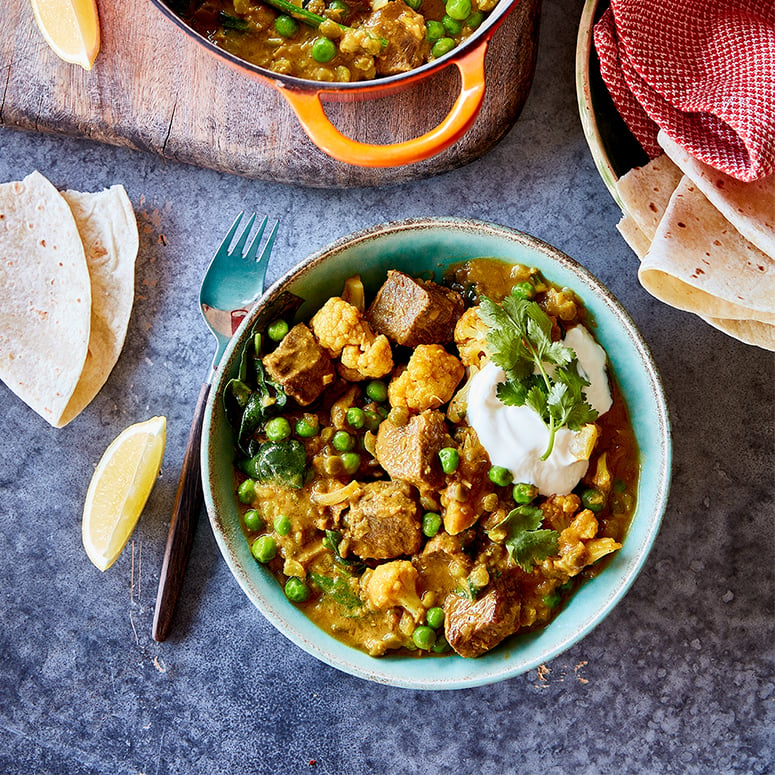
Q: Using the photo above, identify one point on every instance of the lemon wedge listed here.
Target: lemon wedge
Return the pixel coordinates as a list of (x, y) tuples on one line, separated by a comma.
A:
[(71, 28), (119, 488)]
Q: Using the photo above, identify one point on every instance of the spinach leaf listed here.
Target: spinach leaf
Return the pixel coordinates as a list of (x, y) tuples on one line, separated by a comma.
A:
[(278, 462), (337, 589), (251, 398)]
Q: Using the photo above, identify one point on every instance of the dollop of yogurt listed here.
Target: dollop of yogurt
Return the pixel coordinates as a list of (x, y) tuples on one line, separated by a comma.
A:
[(515, 437)]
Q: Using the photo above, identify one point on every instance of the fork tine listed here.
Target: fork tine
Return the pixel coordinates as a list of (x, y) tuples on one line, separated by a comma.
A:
[(269, 243), (252, 251), (224, 247), (240, 244)]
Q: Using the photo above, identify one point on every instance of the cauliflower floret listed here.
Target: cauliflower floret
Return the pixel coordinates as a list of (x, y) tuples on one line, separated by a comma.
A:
[(559, 510), (470, 338), (578, 547), (394, 584), (429, 380), (343, 332), (375, 360)]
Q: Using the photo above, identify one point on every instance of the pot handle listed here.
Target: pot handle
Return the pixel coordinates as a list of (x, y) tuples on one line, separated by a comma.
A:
[(309, 110)]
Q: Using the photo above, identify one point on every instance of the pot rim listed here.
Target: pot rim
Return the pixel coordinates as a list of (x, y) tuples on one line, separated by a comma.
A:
[(485, 31)]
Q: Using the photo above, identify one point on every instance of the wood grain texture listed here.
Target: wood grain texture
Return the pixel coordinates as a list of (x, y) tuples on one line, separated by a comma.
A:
[(154, 89), (185, 516)]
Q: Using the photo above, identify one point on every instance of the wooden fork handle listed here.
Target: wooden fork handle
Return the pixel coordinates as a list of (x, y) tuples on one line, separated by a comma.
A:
[(188, 504)]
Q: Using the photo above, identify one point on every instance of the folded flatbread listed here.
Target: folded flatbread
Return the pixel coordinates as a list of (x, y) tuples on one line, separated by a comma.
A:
[(108, 229), (700, 263), (645, 192), (749, 207), (45, 317)]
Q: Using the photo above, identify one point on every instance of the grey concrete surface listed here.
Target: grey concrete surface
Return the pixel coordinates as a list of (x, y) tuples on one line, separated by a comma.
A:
[(678, 679)]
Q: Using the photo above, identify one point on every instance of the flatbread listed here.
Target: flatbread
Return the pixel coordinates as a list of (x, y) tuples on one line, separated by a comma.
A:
[(645, 192), (633, 235), (45, 316), (108, 229), (699, 263), (747, 331), (749, 207)]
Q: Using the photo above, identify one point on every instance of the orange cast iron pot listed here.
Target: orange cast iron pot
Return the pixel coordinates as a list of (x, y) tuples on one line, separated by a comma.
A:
[(304, 96)]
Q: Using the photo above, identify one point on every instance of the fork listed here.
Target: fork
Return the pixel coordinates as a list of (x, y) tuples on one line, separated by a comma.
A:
[(233, 281)]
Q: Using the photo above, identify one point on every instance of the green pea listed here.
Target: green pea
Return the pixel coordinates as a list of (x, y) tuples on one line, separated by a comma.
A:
[(307, 426), (355, 417), (376, 390), (414, 4), (552, 600), (434, 30), (442, 46), (296, 590), (264, 549), (524, 492), (246, 491), (279, 328), (277, 429), (450, 458), (424, 637), (431, 524), (435, 617), (452, 26), (593, 499), (441, 645), (339, 7), (459, 10), (342, 441), (372, 420), (282, 525), (500, 476), (253, 521), (474, 20), (286, 26), (351, 462), (323, 50), (524, 291), (620, 486)]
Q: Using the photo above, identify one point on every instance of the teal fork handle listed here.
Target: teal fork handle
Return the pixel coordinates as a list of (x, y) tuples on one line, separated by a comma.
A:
[(185, 514)]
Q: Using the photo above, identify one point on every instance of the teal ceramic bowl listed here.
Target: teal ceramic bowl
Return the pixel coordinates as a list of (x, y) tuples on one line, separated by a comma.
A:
[(425, 246)]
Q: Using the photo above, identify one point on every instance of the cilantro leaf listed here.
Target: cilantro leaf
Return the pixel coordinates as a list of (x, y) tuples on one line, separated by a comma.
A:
[(528, 543), (540, 373), (511, 393)]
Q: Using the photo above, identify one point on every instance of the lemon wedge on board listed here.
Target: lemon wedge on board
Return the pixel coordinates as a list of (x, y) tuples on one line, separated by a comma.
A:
[(71, 28), (119, 488)]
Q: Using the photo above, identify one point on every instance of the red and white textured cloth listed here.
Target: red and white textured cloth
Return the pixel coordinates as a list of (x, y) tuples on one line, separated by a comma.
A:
[(702, 70)]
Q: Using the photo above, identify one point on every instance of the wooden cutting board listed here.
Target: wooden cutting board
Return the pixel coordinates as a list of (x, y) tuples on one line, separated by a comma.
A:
[(155, 89)]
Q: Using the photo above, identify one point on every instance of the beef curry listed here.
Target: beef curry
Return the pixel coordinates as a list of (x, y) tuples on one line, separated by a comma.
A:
[(373, 501), (336, 40)]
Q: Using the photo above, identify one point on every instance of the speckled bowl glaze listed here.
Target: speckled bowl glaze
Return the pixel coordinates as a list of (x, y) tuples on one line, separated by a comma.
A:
[(613, 147), (429, 246)]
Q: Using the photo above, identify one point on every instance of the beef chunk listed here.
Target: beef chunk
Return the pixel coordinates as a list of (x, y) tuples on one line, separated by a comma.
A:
[(410, 452), (384, 522), (404, 29), (474, 627), (300, 365), (413, 312)]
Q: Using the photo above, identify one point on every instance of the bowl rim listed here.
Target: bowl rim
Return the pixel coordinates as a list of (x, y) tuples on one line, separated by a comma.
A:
[(383, 669)]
